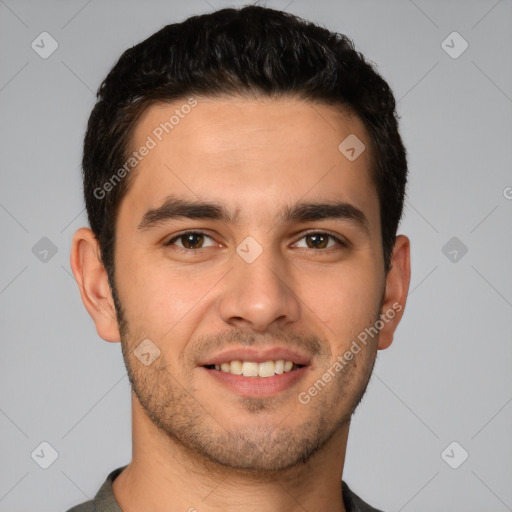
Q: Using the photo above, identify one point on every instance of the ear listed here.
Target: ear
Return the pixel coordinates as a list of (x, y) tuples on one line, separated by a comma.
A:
[(395, 294), (91, 276)]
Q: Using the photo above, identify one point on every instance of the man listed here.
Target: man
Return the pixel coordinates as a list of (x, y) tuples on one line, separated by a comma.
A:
[(244, 179)]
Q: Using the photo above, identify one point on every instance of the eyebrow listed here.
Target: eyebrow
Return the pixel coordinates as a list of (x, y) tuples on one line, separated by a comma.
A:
[(175, 208)]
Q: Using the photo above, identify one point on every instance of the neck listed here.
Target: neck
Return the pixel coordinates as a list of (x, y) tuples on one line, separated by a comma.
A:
[(162, 471)]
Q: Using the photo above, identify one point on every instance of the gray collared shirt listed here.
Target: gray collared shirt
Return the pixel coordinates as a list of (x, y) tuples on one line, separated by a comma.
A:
[(105, 501)]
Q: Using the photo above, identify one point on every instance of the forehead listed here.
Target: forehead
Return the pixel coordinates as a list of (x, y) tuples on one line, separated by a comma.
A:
[(253, 153)]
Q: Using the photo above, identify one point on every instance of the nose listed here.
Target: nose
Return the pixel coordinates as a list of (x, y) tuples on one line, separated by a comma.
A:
[(259, 295)]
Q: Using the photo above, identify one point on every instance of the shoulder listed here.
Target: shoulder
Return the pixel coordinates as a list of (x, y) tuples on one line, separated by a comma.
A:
[(88, 506), (353, 503), (104, 501)]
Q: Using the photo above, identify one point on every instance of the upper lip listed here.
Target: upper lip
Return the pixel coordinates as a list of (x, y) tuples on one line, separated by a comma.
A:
[(257, 355)]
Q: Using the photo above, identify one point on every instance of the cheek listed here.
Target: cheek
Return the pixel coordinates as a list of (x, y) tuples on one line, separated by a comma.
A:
[(347, 303), (163, 299), (347, 300)]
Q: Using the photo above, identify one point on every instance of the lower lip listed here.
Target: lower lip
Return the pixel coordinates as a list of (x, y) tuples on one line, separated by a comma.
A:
[(257, 386)]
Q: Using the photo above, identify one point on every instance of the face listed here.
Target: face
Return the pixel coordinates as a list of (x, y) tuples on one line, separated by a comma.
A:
[(249, 254)]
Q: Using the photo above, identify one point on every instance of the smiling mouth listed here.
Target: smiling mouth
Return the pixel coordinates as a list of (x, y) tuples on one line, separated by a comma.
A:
[(254, 369)]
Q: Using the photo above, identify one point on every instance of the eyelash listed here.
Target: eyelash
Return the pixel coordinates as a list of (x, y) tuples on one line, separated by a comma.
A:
[(339, 241)]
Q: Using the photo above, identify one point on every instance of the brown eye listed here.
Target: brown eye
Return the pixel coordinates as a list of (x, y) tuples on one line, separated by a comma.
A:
[(190, 240), (317, 241), (320, 241)]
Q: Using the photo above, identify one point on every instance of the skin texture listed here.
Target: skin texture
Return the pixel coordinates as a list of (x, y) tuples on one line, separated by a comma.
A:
[(197, 443)]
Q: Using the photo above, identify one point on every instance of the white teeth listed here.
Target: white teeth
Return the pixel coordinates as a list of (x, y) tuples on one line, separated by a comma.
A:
[(266, 369), (252, 369), (235, 367)]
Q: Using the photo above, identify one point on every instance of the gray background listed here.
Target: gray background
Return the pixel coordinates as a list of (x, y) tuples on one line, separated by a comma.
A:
[(447, 377)]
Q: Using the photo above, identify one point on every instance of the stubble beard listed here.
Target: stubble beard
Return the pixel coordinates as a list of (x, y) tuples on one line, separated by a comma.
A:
[(258, 447)]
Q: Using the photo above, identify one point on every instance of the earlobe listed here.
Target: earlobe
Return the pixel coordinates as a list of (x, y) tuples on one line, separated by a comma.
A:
[(397, 288), (91, 277)]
